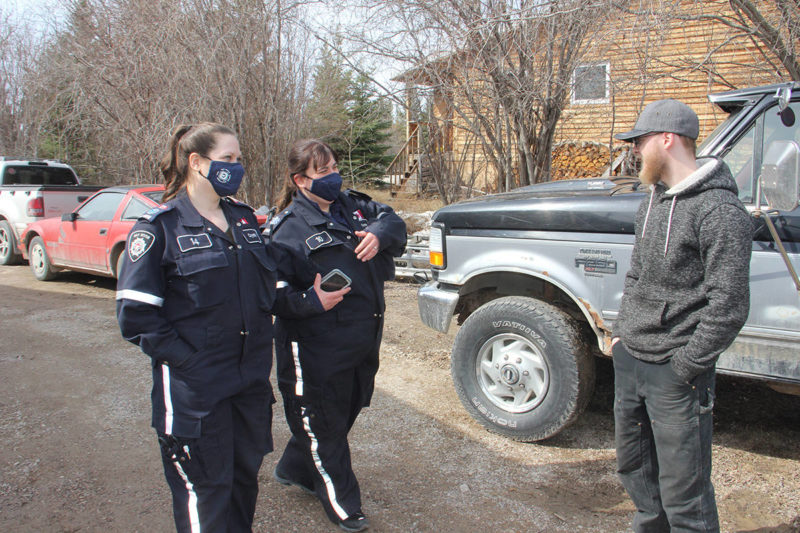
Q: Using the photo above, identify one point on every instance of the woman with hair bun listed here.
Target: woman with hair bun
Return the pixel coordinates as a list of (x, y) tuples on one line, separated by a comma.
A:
[(195, 292)]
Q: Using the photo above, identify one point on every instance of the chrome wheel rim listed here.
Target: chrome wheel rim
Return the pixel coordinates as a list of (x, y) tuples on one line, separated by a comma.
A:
[(512, 373), (5, 243)]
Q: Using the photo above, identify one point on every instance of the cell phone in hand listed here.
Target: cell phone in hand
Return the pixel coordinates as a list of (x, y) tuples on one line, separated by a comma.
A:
[(335, 280)]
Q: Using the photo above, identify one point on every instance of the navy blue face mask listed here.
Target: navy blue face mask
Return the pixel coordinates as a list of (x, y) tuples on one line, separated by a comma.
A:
[(225, 177), (327, 187)]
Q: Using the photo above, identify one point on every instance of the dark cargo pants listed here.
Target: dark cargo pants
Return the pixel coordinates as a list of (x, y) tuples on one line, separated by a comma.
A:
[(214, 478), (318, 454), (663, 434)]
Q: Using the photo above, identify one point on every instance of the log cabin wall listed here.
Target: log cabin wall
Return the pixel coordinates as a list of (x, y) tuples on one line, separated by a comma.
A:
[(644, 58)]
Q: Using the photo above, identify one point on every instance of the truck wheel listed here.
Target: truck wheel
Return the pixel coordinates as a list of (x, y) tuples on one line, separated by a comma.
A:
[(521, 368), (8, 245), (40, 263)]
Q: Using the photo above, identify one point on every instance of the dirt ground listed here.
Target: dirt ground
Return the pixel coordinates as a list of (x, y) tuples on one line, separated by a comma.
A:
[(77, 452)]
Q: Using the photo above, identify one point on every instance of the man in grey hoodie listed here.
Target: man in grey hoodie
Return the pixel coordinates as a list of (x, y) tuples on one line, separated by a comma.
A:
[(686, 297)]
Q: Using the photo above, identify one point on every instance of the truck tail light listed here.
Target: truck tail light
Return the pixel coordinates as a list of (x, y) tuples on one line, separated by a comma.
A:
[(436, 247), (35, 207)]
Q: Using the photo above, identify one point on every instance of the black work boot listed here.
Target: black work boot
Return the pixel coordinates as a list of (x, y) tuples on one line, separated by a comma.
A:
[(285, 480), (355, 522)]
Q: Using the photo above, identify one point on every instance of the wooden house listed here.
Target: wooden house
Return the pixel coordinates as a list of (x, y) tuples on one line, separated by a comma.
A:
[(656, 50)]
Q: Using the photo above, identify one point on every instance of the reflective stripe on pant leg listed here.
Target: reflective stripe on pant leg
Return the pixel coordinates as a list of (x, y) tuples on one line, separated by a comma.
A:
[(314, 443), (194, 517), (298, 371), (168, 412), (329, 488)]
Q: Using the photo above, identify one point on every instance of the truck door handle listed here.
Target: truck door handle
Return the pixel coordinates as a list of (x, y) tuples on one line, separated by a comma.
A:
[(82, 199), (103, 231)]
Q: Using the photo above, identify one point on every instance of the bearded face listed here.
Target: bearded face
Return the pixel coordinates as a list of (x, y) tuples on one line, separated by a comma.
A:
[(654, 164)]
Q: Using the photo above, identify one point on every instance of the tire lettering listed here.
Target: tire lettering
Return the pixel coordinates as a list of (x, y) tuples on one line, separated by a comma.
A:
[(493, 418), (522, 327)]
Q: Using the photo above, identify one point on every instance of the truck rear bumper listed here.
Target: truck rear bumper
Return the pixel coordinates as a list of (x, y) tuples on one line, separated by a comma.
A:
[(436, 306)]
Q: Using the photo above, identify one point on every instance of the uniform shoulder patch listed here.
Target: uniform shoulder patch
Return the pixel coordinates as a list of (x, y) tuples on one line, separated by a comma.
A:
[(139, 243), (154, 212), (234, 201), (359, 195), (276, 220)]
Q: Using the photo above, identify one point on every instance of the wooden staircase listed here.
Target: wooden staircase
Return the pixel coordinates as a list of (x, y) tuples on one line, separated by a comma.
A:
[(410, 172)]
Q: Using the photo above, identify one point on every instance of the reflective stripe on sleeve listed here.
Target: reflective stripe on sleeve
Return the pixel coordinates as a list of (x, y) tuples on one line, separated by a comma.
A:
[(281, 284), (128, 294)]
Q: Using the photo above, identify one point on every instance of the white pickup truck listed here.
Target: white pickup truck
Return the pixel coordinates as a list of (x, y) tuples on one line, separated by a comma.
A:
[(32, 189)]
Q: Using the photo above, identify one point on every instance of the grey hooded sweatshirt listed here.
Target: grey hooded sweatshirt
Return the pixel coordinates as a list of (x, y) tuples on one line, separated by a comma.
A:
[(687, 293)]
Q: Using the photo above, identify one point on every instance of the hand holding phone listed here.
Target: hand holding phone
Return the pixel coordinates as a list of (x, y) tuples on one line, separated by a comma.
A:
[(330, 298), (335, 280)]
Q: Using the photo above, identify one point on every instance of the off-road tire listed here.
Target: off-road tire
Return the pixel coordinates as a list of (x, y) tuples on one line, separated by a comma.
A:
[(513, 336)]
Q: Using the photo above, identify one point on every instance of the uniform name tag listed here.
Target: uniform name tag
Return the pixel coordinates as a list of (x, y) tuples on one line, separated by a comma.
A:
[(194, 242), (139, 244), (318, 239), (251, 235)]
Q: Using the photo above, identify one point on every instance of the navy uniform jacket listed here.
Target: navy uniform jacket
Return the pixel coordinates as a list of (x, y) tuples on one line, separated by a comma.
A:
[(349, 335), (198, 301)]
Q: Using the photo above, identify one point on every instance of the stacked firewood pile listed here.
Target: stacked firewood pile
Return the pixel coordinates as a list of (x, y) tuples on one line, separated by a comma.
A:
[(582, 159)]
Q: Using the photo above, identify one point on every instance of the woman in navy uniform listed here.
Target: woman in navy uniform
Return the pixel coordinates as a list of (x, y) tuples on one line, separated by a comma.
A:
[(327, 363), (195, 292)]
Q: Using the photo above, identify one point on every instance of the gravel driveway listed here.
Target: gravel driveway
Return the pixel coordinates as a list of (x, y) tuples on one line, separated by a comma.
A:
[(77, 452)]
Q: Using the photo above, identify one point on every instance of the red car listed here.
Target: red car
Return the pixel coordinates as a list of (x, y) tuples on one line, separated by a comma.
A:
[(92, 237)]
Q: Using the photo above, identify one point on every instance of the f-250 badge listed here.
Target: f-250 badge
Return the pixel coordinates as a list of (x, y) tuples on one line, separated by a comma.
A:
[(596, 261)]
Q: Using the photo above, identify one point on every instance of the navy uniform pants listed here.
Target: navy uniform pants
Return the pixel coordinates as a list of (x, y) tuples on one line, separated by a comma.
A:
[(213, 478), (318, 454), (663, 434)]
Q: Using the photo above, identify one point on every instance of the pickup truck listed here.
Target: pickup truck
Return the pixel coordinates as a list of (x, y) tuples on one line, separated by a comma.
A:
[(535, 276), (30, 190)]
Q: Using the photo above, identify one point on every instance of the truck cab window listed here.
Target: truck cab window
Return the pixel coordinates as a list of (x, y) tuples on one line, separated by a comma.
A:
[(740, 160)]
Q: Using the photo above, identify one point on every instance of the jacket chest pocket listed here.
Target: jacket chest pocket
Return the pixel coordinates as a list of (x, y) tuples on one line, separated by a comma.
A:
[(206, 283)]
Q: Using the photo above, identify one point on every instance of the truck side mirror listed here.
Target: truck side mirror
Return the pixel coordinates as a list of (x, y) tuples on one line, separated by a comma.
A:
[(784, 96), (780, 175)]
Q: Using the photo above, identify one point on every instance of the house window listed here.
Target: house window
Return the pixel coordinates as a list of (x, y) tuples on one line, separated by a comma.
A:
[(590, 84)]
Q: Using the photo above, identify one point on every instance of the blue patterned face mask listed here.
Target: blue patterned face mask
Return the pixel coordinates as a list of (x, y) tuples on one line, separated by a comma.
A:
[(225, 177), (327, 187)]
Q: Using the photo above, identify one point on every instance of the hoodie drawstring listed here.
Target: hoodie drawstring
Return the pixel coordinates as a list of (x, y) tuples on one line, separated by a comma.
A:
[(644, 226), (669, 223)]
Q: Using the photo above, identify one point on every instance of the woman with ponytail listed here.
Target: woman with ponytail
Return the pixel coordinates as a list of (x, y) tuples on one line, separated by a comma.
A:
[(327, 363), (195, 292)]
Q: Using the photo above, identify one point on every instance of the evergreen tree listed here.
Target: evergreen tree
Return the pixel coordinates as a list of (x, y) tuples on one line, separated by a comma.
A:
[(369, 128), (345, 113)]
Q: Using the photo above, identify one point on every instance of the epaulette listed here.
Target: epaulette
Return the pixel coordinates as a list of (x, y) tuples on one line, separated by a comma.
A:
[(154, 212), (360, 195), (276, 221), (234, 201)]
